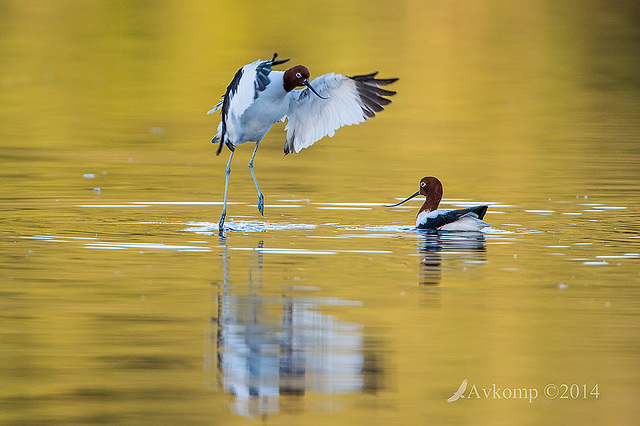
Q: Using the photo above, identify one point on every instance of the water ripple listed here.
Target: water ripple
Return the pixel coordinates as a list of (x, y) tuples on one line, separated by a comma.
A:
[(245, 226)]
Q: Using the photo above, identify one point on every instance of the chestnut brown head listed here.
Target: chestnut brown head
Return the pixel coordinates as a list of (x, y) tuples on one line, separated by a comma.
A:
[(297, 76), (431, 188)]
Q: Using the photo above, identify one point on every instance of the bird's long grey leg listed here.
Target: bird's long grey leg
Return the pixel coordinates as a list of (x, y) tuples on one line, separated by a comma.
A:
[(224, 205), (260, 196)]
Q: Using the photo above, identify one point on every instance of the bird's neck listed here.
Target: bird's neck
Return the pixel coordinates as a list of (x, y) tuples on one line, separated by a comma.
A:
[(430, 204)]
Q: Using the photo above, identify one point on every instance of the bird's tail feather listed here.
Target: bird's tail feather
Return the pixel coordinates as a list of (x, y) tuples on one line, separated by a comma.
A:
[(215, 108), (216, 139)]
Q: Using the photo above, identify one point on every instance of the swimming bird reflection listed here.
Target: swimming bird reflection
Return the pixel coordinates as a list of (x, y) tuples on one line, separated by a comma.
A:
[(266, 347), (457, 246)]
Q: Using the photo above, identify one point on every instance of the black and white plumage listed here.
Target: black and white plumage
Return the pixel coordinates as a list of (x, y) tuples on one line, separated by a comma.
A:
[(351, 100), (430, 217), (258, 97), (249, 81), (469, 219)]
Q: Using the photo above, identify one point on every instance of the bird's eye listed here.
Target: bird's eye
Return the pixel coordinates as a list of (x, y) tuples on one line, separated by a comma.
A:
[(298, 75), (422, 184)]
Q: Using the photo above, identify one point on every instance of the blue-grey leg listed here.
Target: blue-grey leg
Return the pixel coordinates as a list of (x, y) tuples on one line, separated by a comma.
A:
[(224, 205), (260, 196)]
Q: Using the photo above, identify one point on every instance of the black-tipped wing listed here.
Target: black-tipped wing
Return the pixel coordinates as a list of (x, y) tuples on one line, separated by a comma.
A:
[(443, 218), (371, 94), (245, 87), (351, 100)]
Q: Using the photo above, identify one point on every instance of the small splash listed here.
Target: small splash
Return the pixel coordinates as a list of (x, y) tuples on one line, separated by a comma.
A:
[(495, 231), (245, 226)]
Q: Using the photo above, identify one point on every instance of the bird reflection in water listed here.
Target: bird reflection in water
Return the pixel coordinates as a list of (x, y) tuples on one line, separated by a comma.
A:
[(458, 246), (268, 351)]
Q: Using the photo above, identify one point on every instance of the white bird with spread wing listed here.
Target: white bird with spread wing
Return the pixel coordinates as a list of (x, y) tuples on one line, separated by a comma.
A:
[(259, 97)]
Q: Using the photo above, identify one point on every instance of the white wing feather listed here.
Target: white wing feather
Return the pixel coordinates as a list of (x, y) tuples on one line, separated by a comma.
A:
[(243, 98), (239, 100), (312, 118)]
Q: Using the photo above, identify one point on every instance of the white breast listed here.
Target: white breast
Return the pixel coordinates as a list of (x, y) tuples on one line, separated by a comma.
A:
[(270, 107), (469, 222)]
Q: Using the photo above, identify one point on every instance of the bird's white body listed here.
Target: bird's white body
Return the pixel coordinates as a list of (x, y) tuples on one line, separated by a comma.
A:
[(258, 97), (248, 118), (251, 112), (468, 222), (431, 218)]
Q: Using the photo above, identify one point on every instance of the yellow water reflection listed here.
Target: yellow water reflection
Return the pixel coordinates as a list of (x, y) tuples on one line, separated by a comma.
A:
[(259, 356), (112, 271)]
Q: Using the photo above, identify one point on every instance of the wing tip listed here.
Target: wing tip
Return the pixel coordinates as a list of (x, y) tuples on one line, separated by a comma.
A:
[(288, 145), (278, 62), (481, 211), (371, 94), (369, 78)]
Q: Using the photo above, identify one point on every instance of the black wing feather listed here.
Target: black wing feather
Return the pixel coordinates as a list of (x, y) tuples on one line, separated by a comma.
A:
[(262, 74), (232, 89), (371, 94), (434, 223), (262, 80)]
